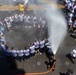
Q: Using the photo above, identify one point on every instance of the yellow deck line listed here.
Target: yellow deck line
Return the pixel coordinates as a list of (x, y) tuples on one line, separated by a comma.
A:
[(31, 7)]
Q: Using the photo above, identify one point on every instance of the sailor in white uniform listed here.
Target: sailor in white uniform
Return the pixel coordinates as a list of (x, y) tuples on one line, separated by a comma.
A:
[(20, 54), (42, 45), (21, 17), (2, 38), (27, 53), (9, 25), (32, 49), (73, 54), (14, 53), (3, 45), (36, 44)]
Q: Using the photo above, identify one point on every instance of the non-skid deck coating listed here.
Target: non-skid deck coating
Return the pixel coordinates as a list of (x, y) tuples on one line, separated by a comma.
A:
[(23, 67)]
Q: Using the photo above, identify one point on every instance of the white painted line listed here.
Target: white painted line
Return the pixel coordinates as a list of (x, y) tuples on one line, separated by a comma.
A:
[(25, 26), (67, 63)]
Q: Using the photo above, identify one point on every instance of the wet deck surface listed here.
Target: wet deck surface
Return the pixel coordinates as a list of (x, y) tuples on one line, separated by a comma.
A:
[(22, 37), (37, 63)]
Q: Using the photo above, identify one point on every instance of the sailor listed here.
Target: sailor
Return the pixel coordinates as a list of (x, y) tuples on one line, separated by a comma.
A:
[(20, 54), (9, 25), (2, 38), (21, 16), (3, 45), (36, 43), (14, 53), (16, 18), (27, 53), (1, 33), (73, 54), (27, 19), (42, 45), (32, 49)]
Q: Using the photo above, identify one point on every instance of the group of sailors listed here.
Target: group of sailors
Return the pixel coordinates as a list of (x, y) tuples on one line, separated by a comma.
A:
[(34, 48), (71, 14), (17, 19), (38, 47), (70, 6)]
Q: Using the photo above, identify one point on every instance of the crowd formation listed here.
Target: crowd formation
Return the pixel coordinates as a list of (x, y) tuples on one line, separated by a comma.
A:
[(18, 19), (10, 21), (71, 14), (36, 47), (71, 21)]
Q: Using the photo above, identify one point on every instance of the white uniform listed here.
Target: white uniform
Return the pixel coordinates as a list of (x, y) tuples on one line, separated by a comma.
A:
[(74, 23), (6, 19), (20, 53), (9, 52), (36, 44), (1, 23), (34, 18), (2, 39), (3, 47), (73, 53), (1, 33), (70, 15), (74, 7), (27, 19), (70, 21), (43, 22), (27, 52), (24, 17), (11, 19), (42, 44), (32, 49), (14, 53), (73, 1), (69, 5), (21, 17), (9, 24), (67, 1), (16, 17)]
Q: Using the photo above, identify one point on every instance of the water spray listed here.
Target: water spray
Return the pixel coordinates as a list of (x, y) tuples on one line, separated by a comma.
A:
[(57, 27), (26, 1)]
